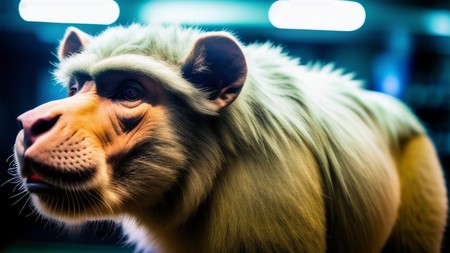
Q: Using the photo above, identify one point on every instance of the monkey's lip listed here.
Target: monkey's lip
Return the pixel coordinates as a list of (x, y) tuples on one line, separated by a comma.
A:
[(35, 184), (40, 177)]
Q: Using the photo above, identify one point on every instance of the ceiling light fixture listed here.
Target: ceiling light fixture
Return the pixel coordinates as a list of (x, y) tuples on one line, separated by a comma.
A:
[(326, 15), (103, 12)]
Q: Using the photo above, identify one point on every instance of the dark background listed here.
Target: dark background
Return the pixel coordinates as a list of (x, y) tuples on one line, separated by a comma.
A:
[(400, 50)]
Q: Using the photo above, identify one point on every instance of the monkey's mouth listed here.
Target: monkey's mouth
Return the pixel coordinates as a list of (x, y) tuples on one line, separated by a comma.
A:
[(35, 184), (42, 179), (59, 196)]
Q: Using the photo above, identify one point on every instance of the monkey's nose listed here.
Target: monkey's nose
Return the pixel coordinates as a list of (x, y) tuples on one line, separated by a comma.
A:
[(35, 126)]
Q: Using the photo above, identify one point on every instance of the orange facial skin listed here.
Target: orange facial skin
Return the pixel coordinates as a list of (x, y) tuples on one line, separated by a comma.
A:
[(77, 146)]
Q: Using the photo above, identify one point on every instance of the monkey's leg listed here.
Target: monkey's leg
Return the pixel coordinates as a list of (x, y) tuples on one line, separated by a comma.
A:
[(423, 211)]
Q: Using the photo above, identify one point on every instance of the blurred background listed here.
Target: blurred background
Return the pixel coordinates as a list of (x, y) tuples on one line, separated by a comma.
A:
[(399, 47)]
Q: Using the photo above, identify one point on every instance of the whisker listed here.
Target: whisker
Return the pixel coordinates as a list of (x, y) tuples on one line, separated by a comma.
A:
[(86, 198), (11, 159), (12, 171), (78, 201), (66, 201), (19, 187), (33, 211), (18, 194), (94, 203), (11, 180), (47, 222), (25, 204)]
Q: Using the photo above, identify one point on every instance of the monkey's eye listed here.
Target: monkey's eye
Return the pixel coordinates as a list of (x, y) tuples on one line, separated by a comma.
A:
[(72, 90), (76, 83), (130, 92)]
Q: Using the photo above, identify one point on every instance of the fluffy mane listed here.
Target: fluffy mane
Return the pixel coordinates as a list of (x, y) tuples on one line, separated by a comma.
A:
[(284, 101), (281, 103)]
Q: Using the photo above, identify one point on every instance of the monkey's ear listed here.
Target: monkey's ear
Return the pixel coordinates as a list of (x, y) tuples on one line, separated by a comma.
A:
[(73, 42), (217, 65)]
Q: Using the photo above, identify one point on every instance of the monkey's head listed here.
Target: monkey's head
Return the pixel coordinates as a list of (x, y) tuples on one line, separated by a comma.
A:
[(128, 133)]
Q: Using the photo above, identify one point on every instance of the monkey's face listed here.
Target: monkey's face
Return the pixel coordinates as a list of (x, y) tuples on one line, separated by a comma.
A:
[(123, 139), (80, 156)]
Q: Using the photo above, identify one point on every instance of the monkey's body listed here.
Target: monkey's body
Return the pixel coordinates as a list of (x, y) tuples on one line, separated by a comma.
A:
[(231, 148)]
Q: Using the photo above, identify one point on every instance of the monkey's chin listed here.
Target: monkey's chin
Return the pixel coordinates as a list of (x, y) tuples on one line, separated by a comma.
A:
[(67, 205)]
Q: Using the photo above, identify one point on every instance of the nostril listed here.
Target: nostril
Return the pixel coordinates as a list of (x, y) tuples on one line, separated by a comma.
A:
[(42, 125)]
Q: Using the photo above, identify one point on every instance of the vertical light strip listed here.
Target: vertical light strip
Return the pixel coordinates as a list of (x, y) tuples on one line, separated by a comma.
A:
[(328, 15), (70, 11)]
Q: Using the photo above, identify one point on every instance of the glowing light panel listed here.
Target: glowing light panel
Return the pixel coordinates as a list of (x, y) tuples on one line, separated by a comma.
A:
[(70, 11), (330, 15), (207, 12), (438, 22)]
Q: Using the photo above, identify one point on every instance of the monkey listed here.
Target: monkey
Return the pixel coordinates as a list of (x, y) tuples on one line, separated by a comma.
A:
[(193, 141)]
